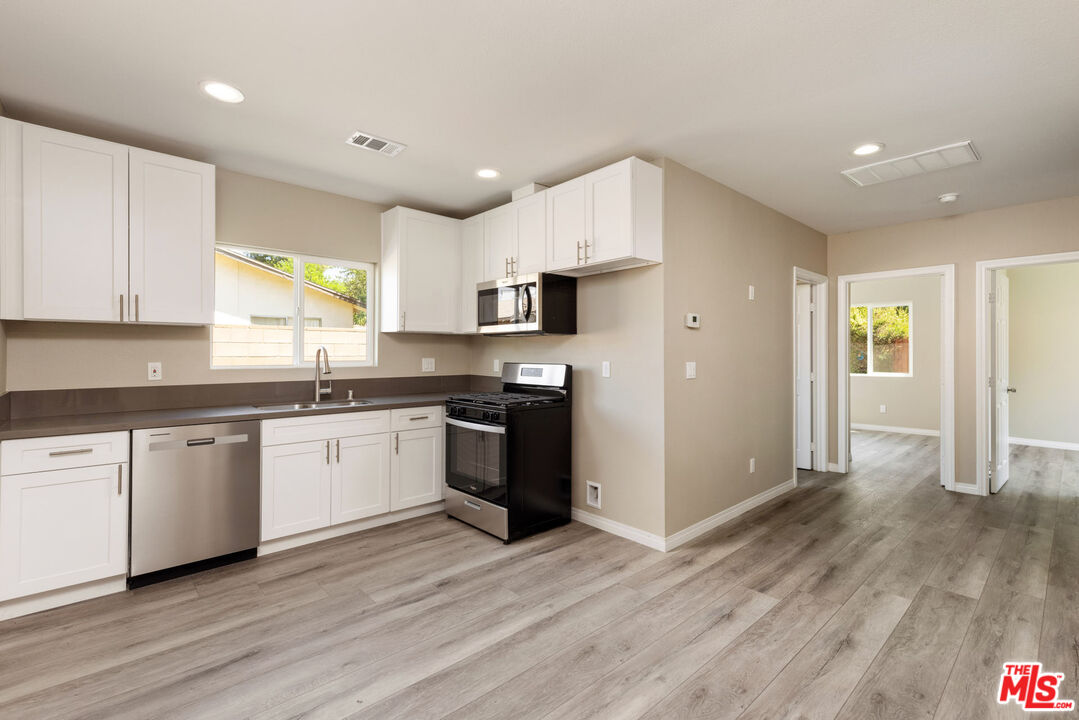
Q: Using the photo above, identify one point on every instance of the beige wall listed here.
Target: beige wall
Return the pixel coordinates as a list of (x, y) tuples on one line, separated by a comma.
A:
[(1019, 230), (617, 421), (1044, 352), (716, 243), (253, 212), (912, 402)]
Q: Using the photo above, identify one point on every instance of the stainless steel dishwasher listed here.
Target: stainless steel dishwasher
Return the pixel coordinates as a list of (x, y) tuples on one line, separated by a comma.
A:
[(194, 498)]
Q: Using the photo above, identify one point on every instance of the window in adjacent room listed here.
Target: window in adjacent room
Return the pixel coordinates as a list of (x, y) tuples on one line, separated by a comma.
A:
[(880, 339), (259, 295)]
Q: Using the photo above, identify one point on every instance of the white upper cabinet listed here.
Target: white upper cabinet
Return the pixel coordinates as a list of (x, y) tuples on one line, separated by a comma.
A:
[(515, 238), (420, 290), (95, 231), (74, 226), (609, 219), (471, 271), (172, 239)]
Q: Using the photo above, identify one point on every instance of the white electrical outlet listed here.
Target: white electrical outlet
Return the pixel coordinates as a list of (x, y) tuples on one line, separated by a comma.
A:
[(497, 365), (594, 496), (153, 371), (605, 368), (752, 465), (691, 370), (883, 409), (693, 320), (752, 292), (427, 365)]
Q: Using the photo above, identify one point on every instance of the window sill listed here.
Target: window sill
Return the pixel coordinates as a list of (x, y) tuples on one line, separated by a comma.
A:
[(882, 375), (307, 366)]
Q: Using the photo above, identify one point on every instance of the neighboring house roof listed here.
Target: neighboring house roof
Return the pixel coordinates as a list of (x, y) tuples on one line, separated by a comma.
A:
[(240, 257)]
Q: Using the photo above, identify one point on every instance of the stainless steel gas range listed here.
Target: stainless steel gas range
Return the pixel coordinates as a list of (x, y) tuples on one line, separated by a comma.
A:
[(508, 454)]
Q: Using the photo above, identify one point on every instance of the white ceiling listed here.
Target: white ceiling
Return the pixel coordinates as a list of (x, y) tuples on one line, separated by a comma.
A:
[(767, 97)]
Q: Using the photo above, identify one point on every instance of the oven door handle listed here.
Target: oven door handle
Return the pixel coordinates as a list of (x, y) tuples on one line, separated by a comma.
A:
[(497, 429)]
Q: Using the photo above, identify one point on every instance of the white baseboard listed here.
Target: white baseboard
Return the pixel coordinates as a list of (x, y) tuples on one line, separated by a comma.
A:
[(1054, 444), (620, 529), (968, 488), (682, 536), (834, 467), (710, 523), (894, 429), (63, 596), (326, 533)]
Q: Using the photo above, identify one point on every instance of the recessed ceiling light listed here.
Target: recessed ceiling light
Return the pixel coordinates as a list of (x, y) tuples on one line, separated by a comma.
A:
[(948, 198), (222, 91), (870, 148), (487, 173)]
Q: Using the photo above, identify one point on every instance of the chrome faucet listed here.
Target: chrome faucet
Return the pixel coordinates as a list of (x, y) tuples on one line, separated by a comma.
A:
[(324, 354)]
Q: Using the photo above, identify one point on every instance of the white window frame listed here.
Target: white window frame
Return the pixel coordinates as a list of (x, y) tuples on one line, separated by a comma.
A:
[(869, 340), (298, 261)]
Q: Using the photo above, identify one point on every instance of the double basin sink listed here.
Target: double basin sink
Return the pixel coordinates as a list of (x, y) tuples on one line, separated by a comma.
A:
[(311, 405)]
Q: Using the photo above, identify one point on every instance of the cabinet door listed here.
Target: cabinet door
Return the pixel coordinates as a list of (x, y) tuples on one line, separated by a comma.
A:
[(565, 225), (172, 239), (608, 207), (499, 241), (471, 271), (361, 477), (531, 219), (74, 227), (62, 528), (417, 467), (295, 488), (429, 294)]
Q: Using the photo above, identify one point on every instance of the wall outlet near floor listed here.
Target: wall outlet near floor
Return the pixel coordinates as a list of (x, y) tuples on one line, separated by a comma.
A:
[(883, 409), (427, 365), (153, 371), (593, 495), (752, 465), (691, 370), (497, 365), (605, 368)]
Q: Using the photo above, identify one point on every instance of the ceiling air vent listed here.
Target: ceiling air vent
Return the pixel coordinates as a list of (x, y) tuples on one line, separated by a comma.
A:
[(367, 141), (920, 163)]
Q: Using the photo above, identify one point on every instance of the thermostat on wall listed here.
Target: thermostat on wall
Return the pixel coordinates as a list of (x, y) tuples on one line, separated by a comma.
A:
[(693, 320)]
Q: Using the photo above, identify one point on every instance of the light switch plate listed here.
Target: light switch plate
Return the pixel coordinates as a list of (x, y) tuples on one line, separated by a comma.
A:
[(691, 370), (605, 368), (752, 292), (693, 320), (883, 409), (752, 465), (153, 371), (497, 365), (427, 365)]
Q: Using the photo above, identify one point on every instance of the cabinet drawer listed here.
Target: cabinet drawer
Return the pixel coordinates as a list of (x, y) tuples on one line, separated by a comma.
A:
[(324, 427), (415, 418), (59, 453)]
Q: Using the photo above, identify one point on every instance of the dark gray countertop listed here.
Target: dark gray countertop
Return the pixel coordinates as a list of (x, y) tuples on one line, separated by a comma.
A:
[(109, 422)]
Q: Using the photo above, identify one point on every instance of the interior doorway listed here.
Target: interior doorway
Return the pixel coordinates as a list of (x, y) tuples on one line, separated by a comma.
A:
[(1024, 361), (870, 362), (810, 377)]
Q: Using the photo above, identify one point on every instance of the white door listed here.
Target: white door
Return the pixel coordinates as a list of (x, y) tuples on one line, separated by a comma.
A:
[(361, 477), (62, 527), (531, 219), (172, 239), (803, 386), (565, 225), (609, 213), (471, 271), (74, 227), (429, 295), (1001, 464), (499, 242), (296, 483), (417, 467)]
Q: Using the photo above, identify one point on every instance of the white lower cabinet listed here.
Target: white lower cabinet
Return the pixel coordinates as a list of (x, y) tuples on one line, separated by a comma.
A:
[(62, 527), (295, 488), (361, 478), (417, 469)]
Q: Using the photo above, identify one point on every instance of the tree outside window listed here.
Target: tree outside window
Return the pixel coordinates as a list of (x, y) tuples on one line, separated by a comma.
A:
[(880, 339)]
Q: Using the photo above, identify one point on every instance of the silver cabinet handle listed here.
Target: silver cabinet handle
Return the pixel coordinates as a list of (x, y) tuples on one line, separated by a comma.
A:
[(80, 451), (396, 443), (513, 266), (419, 417), (327, 452), (339, 451), (136, 307), (587, 247), (121, 307), (403, 319), (578, 252), (119, 479), (474, 506)]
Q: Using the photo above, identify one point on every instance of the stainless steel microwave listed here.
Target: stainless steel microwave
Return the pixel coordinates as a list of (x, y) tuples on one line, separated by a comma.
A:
[(537, 304)]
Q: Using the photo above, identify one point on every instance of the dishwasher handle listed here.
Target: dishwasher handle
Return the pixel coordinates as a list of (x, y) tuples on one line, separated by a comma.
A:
[(201, 441)]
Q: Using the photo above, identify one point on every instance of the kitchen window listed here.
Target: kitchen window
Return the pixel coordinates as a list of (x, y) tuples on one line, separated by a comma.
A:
[(261, 293), (880, 340)]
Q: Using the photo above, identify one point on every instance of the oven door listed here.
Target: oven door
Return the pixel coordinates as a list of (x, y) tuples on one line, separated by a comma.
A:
[(476, 459), (509, 305)]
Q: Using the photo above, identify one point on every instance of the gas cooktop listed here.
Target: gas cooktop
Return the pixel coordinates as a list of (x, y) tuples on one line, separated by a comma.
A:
[(504, 399)]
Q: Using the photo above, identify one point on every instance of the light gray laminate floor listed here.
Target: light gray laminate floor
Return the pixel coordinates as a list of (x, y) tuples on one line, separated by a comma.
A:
[(875, 594)]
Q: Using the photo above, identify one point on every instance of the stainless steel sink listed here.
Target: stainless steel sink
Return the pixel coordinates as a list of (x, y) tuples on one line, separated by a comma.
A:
[(315, 405)]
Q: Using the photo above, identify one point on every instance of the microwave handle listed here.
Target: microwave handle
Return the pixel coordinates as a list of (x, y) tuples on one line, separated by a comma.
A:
[(527, 296)]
